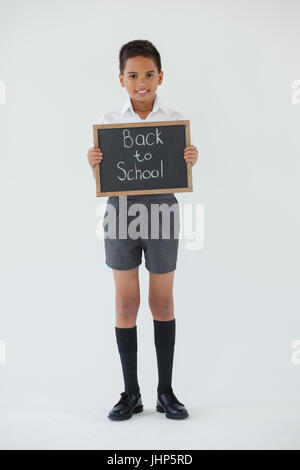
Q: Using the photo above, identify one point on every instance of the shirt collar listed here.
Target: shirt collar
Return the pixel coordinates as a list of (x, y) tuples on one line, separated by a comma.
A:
[(158, 104)]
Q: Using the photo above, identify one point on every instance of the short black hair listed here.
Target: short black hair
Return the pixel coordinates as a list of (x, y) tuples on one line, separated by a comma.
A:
[(138, 47)]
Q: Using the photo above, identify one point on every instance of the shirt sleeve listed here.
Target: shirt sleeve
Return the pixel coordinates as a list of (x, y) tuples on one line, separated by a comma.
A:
[(101, 119), (180, 117)]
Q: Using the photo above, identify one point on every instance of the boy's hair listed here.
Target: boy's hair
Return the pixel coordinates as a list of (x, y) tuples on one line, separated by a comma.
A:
[(138, 47)]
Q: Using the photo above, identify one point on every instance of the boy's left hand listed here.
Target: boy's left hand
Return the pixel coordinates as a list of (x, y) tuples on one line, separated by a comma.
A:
[(191, 154)]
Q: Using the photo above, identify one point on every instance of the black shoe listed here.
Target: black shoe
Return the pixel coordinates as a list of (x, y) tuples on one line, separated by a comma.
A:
[(128, 404), (167, 403)]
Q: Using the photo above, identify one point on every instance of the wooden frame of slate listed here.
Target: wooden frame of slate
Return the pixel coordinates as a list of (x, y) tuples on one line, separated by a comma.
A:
[(152, 151)]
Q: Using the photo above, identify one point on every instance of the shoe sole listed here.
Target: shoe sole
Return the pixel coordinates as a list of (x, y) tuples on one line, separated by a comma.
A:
[(137, 409), (160, 409)]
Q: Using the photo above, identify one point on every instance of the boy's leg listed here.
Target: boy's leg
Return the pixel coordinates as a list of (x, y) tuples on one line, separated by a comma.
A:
[(127, 296), (162, 307), (127, 302)]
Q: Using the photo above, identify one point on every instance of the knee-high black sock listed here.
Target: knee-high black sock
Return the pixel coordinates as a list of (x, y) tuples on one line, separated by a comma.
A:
[(127, 346), (164, 337)]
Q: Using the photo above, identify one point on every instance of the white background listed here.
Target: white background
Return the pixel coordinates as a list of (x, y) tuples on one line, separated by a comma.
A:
[(228, 67)]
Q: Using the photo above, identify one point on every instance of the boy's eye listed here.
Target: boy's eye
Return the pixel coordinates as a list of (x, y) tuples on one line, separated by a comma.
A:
[(133, 75)]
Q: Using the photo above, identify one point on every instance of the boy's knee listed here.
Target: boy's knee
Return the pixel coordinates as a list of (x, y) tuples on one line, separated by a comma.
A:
[(162, 309), (128, 306)]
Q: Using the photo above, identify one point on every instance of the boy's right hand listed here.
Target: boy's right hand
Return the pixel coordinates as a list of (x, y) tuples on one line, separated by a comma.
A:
[(94, 156)]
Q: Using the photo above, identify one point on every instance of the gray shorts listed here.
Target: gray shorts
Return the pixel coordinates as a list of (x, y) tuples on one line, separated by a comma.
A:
[(124, 251)]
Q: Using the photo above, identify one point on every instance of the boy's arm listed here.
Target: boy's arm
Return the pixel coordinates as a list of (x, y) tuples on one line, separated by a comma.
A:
[(95, 157), (96, 152), (191, 151)]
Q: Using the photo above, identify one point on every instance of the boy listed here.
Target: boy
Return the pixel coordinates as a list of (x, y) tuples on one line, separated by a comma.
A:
[(140, 74)]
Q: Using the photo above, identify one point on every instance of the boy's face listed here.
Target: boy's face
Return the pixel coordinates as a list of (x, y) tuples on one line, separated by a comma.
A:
[(141, 74)]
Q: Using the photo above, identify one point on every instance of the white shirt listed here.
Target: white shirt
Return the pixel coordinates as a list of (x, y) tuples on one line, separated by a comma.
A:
[(125, 113)]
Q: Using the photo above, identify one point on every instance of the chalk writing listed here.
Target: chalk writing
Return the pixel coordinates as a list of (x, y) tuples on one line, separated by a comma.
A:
[(141, 139)]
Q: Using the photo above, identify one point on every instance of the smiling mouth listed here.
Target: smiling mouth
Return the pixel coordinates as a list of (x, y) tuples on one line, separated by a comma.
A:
[(142, 92)]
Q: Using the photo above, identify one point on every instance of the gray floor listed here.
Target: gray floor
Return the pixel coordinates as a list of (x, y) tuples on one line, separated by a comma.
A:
[(264, 426)]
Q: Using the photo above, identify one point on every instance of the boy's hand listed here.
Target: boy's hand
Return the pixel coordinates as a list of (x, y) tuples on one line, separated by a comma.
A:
[(94, 156), (191, 154)]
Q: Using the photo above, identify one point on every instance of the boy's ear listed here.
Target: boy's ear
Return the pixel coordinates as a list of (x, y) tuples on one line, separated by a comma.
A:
[(160, 75), (121, 80)]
